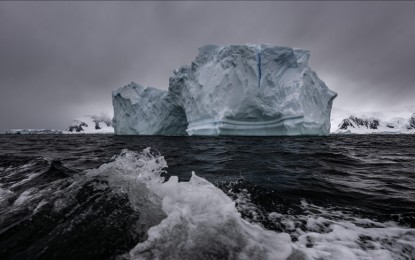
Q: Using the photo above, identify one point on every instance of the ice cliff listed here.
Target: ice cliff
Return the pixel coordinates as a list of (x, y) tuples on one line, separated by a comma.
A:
[(231, 90), (140, 110)]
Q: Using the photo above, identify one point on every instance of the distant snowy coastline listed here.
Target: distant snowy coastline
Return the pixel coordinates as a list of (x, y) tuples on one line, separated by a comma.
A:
[(88, 124), (91, 124), (342, 122), (33, 131), (390, 122)]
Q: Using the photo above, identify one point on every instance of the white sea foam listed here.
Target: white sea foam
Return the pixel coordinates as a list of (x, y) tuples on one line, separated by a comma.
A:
[(331, 234), (24, 197), (200, 221), (196, 220), (4, 195)]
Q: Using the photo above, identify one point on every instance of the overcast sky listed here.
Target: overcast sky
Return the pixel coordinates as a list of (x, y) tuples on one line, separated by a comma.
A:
[(61, 60)]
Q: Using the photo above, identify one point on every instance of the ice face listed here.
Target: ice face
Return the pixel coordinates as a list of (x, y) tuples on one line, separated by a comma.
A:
[(140, 110), (252, 90), (232, 90)]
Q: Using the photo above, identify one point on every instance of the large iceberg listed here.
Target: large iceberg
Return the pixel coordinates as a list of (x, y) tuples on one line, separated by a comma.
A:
[(231, 90)]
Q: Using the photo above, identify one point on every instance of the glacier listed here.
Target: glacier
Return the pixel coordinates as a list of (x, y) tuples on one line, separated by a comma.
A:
[(253, 90)]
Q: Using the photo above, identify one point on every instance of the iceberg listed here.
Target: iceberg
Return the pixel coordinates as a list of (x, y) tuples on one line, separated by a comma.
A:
[(253, 90), (140, 110)]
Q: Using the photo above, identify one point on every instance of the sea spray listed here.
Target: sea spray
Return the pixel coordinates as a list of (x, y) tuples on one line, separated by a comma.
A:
[(201, 221)]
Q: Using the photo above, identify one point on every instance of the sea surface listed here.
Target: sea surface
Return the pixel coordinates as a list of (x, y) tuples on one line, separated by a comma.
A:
[(142, 197)]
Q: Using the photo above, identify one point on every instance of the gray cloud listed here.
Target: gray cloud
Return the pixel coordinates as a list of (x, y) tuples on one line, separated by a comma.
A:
[(60, 60)]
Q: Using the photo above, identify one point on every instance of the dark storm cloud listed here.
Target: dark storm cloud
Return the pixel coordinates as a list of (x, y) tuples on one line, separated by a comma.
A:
[(60, 60)]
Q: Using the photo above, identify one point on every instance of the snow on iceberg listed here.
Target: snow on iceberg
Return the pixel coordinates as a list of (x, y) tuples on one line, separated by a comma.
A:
[(231, 90)]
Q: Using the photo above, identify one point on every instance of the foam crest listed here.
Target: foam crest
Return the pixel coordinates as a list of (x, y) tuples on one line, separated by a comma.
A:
[(198, 220), (203, 223), (135, 174), (326, 233)]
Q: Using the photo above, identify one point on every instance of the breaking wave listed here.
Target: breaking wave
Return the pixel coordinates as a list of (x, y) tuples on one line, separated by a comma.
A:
[(129, 202), (202, 222)]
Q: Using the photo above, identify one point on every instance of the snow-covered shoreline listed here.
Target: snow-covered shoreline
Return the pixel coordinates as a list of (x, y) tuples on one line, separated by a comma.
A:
[(388, 122), (88, 124), (342, 122), (91, 124)]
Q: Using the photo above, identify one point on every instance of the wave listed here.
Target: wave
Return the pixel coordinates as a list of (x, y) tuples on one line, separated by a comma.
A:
[(137, 214), (333, 233), (202, 222)]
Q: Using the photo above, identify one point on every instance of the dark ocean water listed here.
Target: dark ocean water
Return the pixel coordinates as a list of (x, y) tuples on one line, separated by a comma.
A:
[(107, 197)]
